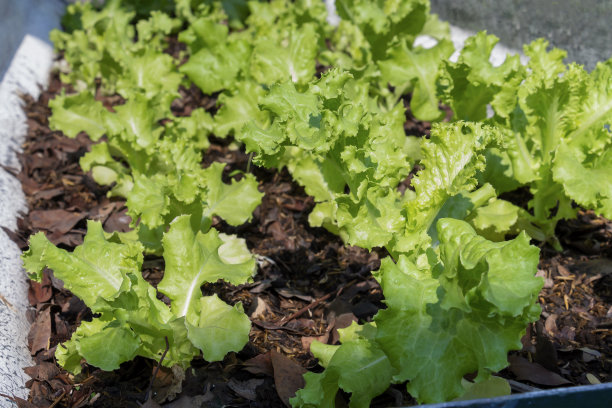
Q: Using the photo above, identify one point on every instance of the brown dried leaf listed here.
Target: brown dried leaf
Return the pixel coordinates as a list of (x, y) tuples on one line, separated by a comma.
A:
[(21, 403), (307, 341), (548, 282), (118, 221), (246, 389), (71, 240), (261, 364), (534, 372), (563, 271), (551, 325), (341, 322), (259, 308), (102, 211), (48, 194), (57, 221), (168, 383), (288, 376), (277, 231), (40, 332), (293, 293), (40, 292), (42, 372)]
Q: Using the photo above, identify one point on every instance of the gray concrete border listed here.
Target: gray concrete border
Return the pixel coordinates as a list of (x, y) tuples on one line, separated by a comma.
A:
[(26, 57), (581, 27)]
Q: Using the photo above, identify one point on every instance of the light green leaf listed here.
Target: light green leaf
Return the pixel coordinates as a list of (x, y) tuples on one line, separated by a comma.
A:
[(451, 158), (494, 220), (469, 293), (347, 370), (138, 117), (233, 202), (73, 114), (148, 201), (149, 73), (586, 180), (193, 259), (286, 102), (417, 67), (109, 346), (544, 65), (277, 60), (214, 69), (491, 388), (239, 108), (218, 328), (472, 83), (96, 271), (371, 221), (510, 293), (262, 141)]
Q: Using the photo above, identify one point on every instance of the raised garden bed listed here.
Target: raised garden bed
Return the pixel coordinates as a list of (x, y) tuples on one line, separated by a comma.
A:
[(308, 283)]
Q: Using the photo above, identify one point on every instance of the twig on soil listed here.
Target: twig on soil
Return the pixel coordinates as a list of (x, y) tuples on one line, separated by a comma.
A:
[(7, 303), (7, 397), (303, 310), (58, 399), (10, 170), (313, 304)]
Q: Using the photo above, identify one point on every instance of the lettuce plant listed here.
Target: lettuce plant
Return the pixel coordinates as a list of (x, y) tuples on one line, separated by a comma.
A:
[(105, 272), (556, 124), (451, 311)]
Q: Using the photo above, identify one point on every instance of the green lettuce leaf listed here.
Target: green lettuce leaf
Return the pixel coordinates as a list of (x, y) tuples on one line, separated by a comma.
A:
[(233, 202), (418, 68), (275, 60), (96, 271), (218, 328), (472, 83), (73, 114), (193, 259), (451, 158)]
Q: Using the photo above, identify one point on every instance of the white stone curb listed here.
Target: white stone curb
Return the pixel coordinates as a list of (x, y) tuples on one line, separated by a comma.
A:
[(26, 56)]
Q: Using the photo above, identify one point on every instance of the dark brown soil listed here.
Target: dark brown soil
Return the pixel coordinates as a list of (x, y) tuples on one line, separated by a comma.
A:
[(308, 285)]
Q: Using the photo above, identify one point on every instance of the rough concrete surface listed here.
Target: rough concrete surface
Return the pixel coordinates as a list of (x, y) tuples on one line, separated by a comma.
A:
[(581, 27), (25, 60)]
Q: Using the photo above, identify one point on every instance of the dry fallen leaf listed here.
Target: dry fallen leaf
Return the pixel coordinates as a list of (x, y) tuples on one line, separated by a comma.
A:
[(42, 372), (258, 308), (534, 372), (40, 292), (40, 332), (307, 340), (246, 389), (592, 379), (261, 364), (288, 376), (58, 221)]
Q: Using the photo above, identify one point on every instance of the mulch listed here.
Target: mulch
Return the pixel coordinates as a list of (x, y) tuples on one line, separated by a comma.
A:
[(308, 285)]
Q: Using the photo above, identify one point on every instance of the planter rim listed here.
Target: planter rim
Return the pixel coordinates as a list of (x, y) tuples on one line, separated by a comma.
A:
[(26, 57), (593, 396)]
